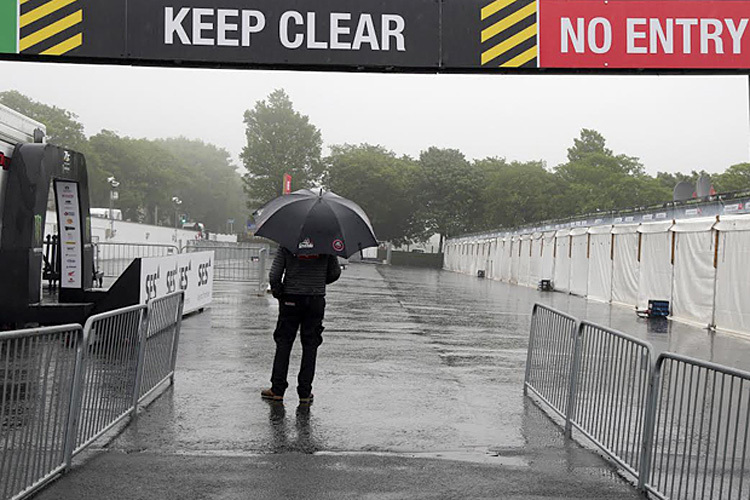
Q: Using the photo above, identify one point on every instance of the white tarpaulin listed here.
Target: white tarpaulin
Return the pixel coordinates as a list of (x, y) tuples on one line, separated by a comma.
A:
[(579, 261), (655, 281), (524, 260), (600, 263), (547, 271), (732, 310), (625, 268), (507, 258), (562, 260), (535, 265), (515, 258), (694, 273)]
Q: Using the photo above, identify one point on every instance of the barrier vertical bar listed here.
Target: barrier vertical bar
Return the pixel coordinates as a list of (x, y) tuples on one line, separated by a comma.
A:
[(142, 336), (176, 339), (648, 430), (75, 405), (532, 335), (573, 377)]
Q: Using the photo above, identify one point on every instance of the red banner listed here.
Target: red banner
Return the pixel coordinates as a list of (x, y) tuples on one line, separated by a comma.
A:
[(644, 34), (287, 187)]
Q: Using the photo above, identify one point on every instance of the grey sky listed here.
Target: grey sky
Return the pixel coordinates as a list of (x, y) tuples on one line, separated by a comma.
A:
[(673, 123)]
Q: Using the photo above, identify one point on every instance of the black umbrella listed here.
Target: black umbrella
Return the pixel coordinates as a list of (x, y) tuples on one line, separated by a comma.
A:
[(315, 222)]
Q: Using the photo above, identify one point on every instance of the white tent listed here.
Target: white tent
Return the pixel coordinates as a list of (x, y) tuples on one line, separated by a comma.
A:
[(732, 309), (625, 266), (547, 270), (535, 265), (524, 259), (694, 272), (655, 281), (515, 257), (579, 261), (600, 263), (507, 251), (562, 260)]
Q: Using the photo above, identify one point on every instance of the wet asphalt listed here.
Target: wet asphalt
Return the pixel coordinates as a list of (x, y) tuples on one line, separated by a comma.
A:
[(418, 394)]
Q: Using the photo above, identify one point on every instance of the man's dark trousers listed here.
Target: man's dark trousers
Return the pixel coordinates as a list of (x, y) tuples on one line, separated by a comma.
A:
[(303, 312)]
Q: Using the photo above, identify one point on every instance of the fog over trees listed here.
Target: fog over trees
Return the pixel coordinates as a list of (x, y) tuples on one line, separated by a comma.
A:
[(408, 199)]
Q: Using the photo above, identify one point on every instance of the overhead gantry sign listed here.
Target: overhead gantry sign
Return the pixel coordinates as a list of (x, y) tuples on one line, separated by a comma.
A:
[(400, 35)]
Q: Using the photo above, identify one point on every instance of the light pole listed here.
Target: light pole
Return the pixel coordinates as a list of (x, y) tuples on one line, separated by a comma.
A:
[(113, 185), (177, 202)]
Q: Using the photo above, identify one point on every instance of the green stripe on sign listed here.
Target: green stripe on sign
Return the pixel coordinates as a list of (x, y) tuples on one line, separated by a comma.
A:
[(9, 26)]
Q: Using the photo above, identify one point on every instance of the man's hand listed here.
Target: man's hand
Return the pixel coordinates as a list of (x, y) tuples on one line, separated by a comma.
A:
[(277, 291)]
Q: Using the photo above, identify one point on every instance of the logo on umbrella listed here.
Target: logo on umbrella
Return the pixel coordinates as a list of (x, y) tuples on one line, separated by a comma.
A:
[(338, 245), (306, 243)]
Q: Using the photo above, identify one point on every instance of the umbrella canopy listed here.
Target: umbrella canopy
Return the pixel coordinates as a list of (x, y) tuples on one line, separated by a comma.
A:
[(316, 222)]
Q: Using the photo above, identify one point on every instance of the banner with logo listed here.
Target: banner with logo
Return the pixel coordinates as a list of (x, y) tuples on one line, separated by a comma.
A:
[(411, 35), (71, 234), (191, 272)]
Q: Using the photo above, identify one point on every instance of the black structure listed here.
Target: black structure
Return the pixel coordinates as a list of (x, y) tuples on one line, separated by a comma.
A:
[(32, 169)]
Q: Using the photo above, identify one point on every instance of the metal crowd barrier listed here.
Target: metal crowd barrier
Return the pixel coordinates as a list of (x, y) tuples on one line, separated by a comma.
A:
[(37, 369), (610, 389), (699, 426), (63, 387), (550, 357), (245, 262), (109, 369), (680, 427), (113, 258)]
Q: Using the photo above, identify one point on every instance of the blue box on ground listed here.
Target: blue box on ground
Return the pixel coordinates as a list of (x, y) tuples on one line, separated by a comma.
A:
[(658, 308)]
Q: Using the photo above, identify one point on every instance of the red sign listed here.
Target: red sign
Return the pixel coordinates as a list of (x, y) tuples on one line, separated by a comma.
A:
[(287, 187), (644, 34)]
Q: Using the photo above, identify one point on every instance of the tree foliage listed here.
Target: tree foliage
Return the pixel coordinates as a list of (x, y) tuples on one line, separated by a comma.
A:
[(382, 184), (279, 140)]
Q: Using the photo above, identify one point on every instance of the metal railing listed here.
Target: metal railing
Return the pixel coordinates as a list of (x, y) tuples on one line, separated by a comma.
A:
[(108, 371), (113, 257), (550, 357), (610, 392), (161, 339), (37, 367), (699, 425), (64, 387), (680, 427), (245, 262)]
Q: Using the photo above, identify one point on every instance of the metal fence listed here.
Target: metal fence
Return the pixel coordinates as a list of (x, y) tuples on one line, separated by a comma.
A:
[(108, 372), (680, 427), (63, 387), (550, 357), (700, 422), (37, 367), (610, 391), (236, 261), (113, 258)]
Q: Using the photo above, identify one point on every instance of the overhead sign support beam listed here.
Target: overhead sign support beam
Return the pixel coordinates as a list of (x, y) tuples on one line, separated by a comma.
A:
[(476, 36)]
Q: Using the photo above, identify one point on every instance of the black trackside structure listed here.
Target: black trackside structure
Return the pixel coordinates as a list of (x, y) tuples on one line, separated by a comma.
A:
[(307, 223)]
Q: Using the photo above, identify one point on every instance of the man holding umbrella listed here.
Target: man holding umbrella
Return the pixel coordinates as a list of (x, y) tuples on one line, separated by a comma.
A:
[(312, 229), (299, 282)]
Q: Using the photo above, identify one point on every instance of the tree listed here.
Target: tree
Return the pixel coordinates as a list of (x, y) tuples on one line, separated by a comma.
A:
[(449, 191), (735, 178), (516, 193), (63, 127), (382, 184), (594, 179), (212, 192), (279, 140), (149, 176)]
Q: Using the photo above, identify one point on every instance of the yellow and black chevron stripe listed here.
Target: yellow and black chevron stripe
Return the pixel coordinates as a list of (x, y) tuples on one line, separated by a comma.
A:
[(509, 34), (50, 27)]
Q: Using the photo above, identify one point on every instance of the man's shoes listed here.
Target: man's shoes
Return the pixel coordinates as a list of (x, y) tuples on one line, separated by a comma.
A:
[(270, 396), (307, 400)]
